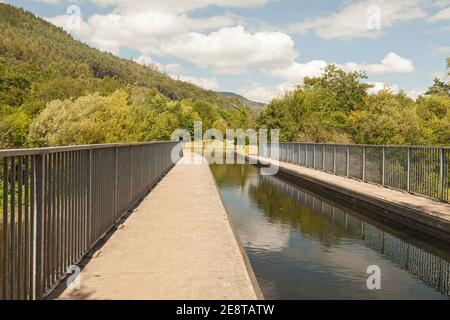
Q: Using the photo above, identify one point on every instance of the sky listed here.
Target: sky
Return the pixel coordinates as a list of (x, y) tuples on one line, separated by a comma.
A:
[(261, 48)]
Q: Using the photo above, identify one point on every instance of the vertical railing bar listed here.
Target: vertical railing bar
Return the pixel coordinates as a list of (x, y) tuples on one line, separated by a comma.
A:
[(314, 156), (46, 224), (5, 245), (39, 198), (334, 159), (383, 174), (59, 269), (441, 174), (79, 208), (131, 174), (53, 220), (116, 160), (84, 197), (306, 155), (323, 157), (32, 227), (76, 206), (66, 210), (70, 207), (90, 199), (364, 164), (408, 172), (26, 229), (19, 227), (348, 161), (12, 228), (142, 171)]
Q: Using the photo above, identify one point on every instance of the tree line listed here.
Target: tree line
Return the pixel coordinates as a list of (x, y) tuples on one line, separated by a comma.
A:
[(336, 108)]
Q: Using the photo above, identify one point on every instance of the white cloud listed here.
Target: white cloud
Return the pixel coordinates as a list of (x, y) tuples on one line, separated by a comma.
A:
[(216, 42), (368, 18), (415, 93), (378, 86), (392, 63), (232, 50), (174, 70), (296, 72), (171, 68), (262, 93), (443, 14), (205, 83)]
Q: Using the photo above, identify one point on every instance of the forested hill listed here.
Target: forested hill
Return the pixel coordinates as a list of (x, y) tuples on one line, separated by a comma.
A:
[(40, 62), (256, 106)]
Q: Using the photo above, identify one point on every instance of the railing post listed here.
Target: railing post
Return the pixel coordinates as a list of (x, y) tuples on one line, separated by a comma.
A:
[(314, 156), (383, 167), (90, 202), (348, 161), (334, 159), (408, 172), (116, 159), (306, 155), (441, 174), (38, 232), (142, 169), (364, 164), (323, 157), (131, 174)]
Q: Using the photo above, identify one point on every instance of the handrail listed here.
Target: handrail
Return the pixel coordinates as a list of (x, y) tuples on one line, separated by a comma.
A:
[(57, 203), (368, 145), (423, 171), (47, 150)]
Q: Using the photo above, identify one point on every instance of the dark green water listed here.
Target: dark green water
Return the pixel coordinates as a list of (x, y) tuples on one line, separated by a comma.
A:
[(303, 246)]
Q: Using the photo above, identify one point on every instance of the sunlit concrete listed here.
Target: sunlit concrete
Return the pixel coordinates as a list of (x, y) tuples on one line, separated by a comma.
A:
[(178, 244)]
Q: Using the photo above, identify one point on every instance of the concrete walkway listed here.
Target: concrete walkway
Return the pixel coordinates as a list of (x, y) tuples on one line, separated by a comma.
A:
[(418, 212), (179, 244)]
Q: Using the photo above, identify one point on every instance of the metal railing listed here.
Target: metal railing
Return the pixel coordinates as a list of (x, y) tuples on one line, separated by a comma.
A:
[(422, 171), (58, 202)]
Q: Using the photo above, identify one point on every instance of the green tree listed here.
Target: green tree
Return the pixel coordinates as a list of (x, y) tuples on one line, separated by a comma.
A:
[(434, 114), (439, 87), (87, 120), (387, 118)]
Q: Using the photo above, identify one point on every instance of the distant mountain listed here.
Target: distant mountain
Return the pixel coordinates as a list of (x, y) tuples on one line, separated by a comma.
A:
[(249, 103), (40, 62)]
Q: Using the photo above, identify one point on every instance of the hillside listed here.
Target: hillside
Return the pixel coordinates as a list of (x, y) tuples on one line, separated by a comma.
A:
[(255, 106), (40, 62)]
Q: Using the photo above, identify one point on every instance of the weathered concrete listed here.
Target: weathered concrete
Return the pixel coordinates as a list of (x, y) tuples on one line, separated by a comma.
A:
[(179, 244), (420, 213)]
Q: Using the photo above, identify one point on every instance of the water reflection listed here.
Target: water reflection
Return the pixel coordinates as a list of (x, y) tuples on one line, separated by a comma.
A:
[(301, 245)]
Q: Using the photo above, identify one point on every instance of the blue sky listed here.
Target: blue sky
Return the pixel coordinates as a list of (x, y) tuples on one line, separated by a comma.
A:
[(260, 48)]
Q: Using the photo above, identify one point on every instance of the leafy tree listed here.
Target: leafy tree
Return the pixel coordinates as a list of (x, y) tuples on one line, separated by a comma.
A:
[(434, 113), (439, 87), (13, 127), (387, 118), (87, 120)]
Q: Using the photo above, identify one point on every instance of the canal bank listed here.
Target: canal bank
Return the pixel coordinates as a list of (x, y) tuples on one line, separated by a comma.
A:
[(178, 244), (419, 213)]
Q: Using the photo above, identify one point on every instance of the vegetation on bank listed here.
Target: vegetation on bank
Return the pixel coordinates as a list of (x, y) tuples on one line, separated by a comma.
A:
[(336, 108)]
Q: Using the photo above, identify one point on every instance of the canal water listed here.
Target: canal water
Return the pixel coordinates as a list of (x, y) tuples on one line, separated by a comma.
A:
[(302, 245)]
